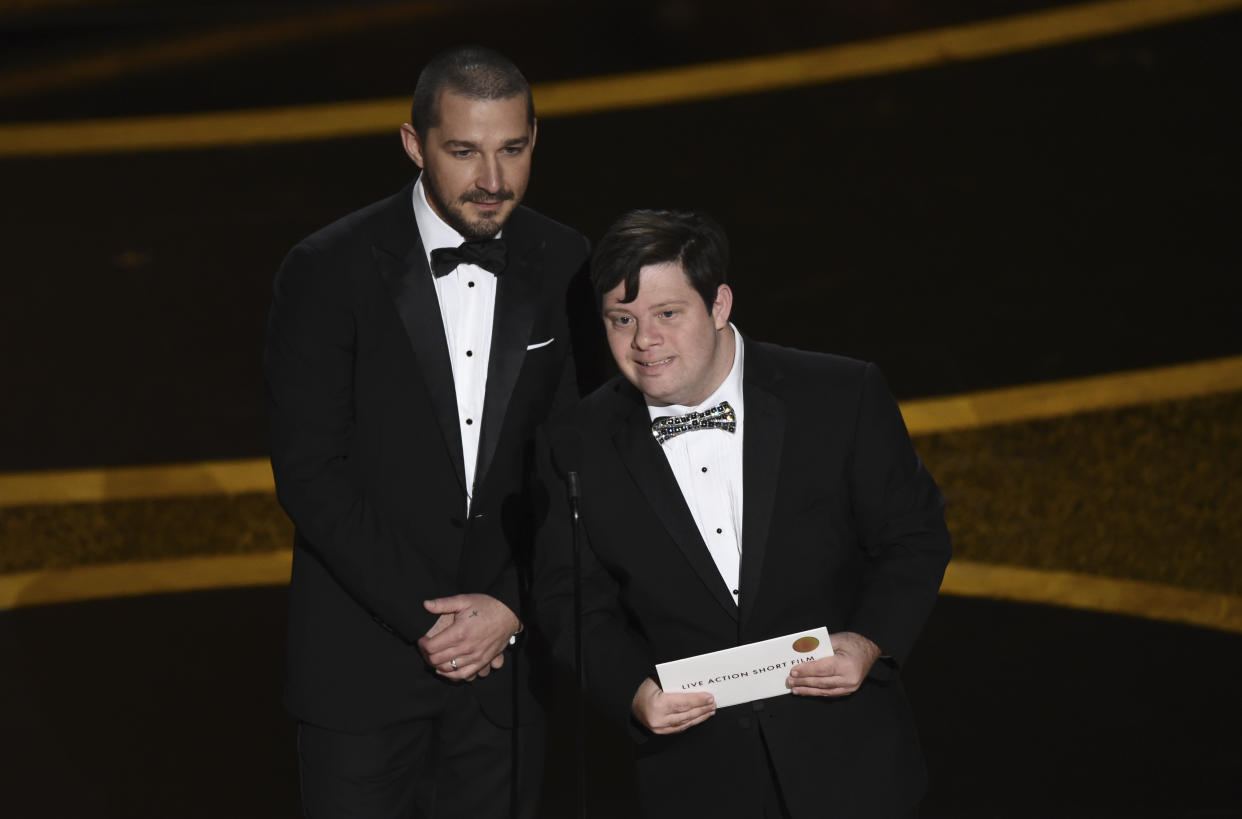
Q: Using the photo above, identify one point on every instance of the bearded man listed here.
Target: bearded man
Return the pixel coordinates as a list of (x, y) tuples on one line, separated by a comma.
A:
[(412, 349)]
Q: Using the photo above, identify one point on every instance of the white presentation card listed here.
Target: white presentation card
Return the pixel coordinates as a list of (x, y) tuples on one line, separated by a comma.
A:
[(750, 672)]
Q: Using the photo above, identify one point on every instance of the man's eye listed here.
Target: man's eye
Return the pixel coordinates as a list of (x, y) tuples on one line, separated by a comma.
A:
[(462, 154), (621, 321), (511, 150), (667, 313)]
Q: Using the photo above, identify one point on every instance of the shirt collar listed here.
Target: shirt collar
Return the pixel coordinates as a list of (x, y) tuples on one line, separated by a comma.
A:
[(729, 390)]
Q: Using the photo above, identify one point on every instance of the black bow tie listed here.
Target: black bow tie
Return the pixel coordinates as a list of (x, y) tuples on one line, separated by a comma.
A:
[(720, 416), (489, 255)]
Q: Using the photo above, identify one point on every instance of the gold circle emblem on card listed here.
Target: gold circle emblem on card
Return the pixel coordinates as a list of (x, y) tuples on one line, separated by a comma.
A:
[(804, 644)]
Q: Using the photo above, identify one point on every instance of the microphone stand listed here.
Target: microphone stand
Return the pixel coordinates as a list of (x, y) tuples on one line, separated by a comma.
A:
[(580, 717)]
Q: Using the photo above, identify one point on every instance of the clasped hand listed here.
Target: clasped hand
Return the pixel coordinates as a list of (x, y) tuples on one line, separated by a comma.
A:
[(469, 638)]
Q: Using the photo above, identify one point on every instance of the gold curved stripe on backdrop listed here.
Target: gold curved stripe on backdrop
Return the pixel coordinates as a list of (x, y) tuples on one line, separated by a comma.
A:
[(886, 55)]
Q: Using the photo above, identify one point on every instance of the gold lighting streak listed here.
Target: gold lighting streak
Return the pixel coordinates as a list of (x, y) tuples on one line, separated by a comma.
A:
[(1152, 601), (200, 47), (144, 577), (131, 482), (923, 416), (964, 578), (1053, 399), (886, 55), (1134, 598)]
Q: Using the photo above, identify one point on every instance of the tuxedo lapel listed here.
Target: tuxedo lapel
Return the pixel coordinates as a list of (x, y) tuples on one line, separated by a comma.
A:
[(517, 291), (403, 266), (646, 463), (761, 461)]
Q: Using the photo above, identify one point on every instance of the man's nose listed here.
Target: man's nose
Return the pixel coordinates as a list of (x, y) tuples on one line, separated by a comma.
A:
[(646, 337), (491, 178)]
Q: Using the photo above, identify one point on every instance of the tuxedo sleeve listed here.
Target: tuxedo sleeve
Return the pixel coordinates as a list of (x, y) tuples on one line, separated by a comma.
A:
[(899, 514), (308, 367), (617, 659)]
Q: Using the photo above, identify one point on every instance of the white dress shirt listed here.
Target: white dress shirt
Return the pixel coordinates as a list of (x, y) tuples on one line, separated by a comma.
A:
[(708, 466), (467, 299)]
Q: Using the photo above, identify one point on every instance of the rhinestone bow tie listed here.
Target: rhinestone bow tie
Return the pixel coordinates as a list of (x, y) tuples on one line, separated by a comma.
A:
[(489, 255), (720, 416)]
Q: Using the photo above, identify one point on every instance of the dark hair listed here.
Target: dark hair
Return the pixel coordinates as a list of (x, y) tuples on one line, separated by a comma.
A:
[(645, 237), (472, 71)]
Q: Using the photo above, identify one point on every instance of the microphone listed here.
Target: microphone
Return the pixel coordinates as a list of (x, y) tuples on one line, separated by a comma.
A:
[(566, 456), (566, 459)]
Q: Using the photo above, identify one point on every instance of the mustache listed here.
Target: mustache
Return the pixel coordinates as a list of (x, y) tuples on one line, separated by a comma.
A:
[(482, 197)]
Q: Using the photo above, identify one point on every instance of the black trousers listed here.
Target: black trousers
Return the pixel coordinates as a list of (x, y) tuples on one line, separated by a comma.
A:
[(773, 800), (456, 766)]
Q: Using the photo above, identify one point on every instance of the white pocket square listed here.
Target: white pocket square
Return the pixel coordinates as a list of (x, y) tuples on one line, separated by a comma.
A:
[(530, 347)]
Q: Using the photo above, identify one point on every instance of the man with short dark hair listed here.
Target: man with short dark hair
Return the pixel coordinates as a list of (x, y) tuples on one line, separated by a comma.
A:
[(412, 349), (731, 492)]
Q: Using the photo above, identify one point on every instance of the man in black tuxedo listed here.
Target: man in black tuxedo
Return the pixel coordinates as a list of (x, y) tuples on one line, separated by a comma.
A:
[(733, 491), (412, 349)]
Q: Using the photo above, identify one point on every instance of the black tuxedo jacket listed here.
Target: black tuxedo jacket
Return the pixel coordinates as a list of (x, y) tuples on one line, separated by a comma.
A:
[(842, 527), (366, 451)]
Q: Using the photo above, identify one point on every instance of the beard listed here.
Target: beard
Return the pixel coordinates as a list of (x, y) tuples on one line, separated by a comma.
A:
[(454, 214)]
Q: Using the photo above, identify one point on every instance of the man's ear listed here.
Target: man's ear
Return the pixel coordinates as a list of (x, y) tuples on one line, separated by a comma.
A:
[(534, 131), (412, 144), (723, 306)]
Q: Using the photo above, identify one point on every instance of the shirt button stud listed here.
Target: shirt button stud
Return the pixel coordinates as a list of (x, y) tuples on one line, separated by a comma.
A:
[(469, 352), (469, 421), (704, 469)]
